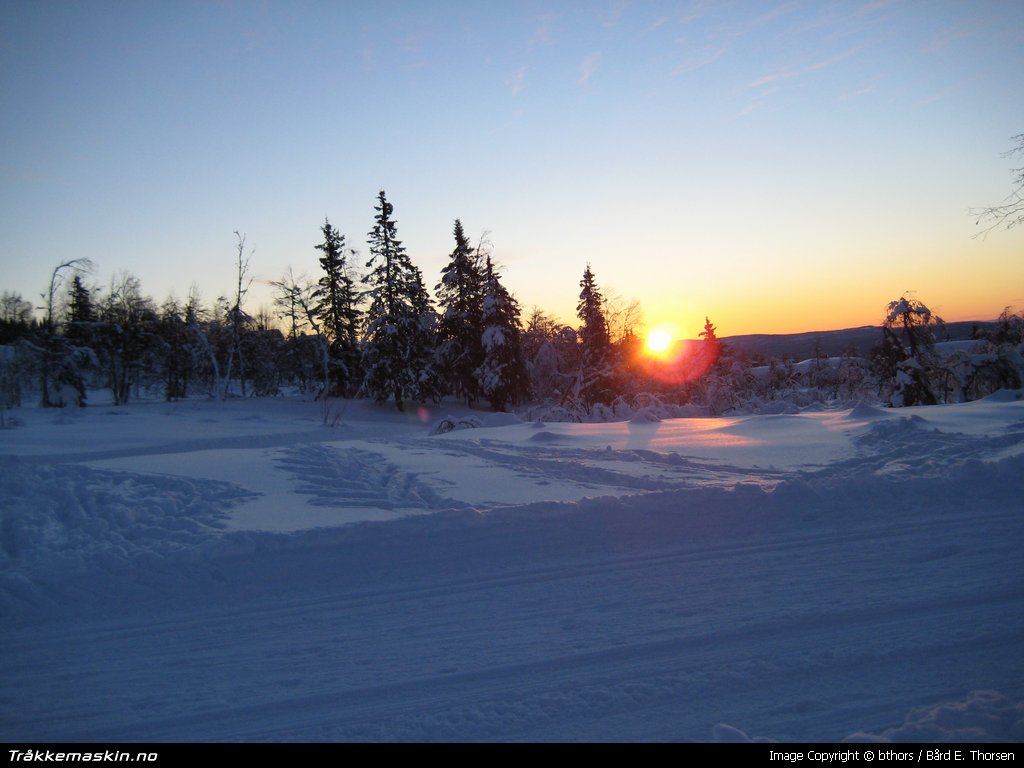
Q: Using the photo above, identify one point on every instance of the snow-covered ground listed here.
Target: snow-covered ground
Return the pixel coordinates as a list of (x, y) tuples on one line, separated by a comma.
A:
[(240, 571)]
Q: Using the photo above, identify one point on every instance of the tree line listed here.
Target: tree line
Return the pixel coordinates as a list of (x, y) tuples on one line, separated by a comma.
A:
[(360, 329), (372, 329)]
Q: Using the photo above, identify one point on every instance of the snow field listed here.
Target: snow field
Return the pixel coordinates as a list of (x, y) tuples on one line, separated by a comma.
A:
[(813, 576)]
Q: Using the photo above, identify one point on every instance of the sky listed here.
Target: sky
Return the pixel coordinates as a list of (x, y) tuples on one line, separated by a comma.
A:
[(776, 166)]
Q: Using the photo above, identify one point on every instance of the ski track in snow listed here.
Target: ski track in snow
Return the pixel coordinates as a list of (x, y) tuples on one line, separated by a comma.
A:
[(333, 475), (652, 595)]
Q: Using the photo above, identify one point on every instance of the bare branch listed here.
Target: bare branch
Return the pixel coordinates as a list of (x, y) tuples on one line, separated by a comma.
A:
[(57, 280), (1010, 213)]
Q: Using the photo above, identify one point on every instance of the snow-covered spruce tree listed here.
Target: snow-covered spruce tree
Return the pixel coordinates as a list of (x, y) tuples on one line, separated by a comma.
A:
[(597, 363), (336, 303), (460, 296), (428, 381), (502, 376), (80, 333), (398, 344)]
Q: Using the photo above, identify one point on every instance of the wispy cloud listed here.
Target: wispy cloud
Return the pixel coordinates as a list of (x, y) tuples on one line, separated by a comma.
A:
[(658, 23), (875, 5), (951, 35), (855, 93), (611, 18), (587, 67), (517, 82), (795, 72), (941, 94), (774, 13), (542, 32), (697, 58), (412, 43), (696, 11), (772, 78)]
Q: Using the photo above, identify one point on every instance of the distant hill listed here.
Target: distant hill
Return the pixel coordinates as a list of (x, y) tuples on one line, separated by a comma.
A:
[(802, 346)]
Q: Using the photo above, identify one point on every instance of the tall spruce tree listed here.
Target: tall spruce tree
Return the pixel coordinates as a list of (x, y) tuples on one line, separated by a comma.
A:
[(710, 350), (80, 307), (428, 374), (79, 342), (398, 345), (596, 353), (53, 347), (460, 295), (336, 303), (81, 314), (502, 375)]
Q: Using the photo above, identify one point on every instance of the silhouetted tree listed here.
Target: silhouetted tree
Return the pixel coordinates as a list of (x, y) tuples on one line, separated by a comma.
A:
[(336, 303), (237, 321), (80, 308), (126, 338), (16, 321), (596, 360), (301, 357), (178, 353), (52, 347), (14, 309), (80, 329), (460, 296), (398, 345)]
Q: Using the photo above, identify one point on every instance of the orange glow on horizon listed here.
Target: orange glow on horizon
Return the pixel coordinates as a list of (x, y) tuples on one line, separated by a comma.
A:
[(679, 361)]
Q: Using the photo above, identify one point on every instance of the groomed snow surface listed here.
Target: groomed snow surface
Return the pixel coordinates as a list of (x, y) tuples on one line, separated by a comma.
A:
[(240, 571)]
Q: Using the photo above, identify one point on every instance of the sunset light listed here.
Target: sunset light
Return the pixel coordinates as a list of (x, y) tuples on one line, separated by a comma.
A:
[(543, 371), (658, 340), (562, 84)]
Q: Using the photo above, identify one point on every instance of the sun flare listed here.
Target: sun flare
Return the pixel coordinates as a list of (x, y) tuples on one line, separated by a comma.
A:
[(658, 340)]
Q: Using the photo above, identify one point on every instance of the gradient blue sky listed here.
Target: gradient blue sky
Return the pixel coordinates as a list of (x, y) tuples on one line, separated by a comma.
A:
[(779, 166)]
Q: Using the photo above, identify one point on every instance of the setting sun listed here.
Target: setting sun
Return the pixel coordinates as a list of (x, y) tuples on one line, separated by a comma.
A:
[(658, 340)]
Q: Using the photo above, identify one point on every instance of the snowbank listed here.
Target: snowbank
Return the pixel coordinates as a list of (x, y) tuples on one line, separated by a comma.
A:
[(984, 716)]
